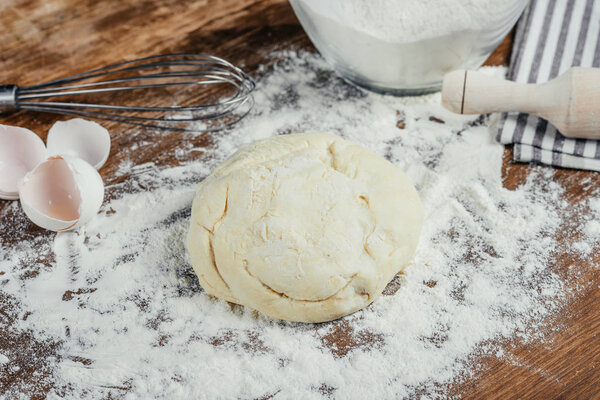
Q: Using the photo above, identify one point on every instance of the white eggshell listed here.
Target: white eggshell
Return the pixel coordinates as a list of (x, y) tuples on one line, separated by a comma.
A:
[(80, 138), (20, 151), (90, 186), (61, 193)]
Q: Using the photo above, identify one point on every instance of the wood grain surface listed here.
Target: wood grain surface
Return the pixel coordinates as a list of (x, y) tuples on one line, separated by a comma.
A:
[(46, 39)]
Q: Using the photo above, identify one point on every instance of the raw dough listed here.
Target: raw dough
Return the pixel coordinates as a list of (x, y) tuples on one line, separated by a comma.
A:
[(304, 227)]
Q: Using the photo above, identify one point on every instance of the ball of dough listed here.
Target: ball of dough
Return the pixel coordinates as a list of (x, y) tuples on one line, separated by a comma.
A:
[(304, 227)]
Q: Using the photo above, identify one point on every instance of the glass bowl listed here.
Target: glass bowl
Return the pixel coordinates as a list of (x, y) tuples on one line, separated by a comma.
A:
[(410, 65)]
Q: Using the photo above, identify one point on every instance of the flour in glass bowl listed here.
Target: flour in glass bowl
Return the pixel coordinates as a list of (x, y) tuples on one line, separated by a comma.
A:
[(403, 21), (405, 45), (120, 314)]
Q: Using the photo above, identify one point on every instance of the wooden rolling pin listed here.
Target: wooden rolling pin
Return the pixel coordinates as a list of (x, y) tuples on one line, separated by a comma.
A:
[(570, 102)]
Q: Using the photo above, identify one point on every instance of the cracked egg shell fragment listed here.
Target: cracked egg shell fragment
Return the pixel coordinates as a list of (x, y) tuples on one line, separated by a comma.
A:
[(80, 138), (20, 151), (61, 193)]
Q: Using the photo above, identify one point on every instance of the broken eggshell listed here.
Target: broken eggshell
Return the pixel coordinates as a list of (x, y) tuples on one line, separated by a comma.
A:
[(79, 138), (20, 151), (61, 193)]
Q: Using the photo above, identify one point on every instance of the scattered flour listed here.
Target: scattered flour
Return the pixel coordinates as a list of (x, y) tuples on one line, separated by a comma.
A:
[(592, 228), (129, 318)]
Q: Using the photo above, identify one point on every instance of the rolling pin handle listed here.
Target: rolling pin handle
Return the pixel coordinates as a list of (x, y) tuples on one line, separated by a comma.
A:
[(453, 91), (472, 92)]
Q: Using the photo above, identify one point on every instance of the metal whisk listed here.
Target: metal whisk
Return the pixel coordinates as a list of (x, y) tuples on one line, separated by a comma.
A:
[(196, 77)]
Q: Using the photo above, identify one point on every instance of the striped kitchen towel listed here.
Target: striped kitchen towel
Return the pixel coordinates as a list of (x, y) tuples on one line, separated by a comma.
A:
[(552, 36)]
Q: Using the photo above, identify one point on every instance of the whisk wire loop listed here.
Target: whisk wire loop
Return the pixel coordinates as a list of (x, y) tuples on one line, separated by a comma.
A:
[(181, 71)]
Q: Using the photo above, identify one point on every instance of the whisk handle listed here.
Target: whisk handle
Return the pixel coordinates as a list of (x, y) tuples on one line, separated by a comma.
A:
[(8, 98)]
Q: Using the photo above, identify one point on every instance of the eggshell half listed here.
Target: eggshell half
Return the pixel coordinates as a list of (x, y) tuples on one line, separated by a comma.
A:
[(91, 187), (80, 138), (20, 151), (61, 193)]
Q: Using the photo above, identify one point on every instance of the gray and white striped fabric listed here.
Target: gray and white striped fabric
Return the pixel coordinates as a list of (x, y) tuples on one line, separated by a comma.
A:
[(552, 36)]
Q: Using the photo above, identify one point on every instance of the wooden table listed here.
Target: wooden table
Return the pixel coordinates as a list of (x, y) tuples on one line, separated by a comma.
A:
[(46, 39)]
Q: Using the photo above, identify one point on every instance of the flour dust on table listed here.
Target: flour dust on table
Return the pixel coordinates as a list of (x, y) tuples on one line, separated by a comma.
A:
[(114, 308)]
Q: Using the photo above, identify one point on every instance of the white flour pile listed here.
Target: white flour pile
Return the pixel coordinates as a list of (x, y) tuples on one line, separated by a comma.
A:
[(129, 319), (406, 44), (403, 21)]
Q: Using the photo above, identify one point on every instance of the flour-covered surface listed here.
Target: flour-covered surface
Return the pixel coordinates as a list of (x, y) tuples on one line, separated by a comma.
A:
[(114, 310)]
